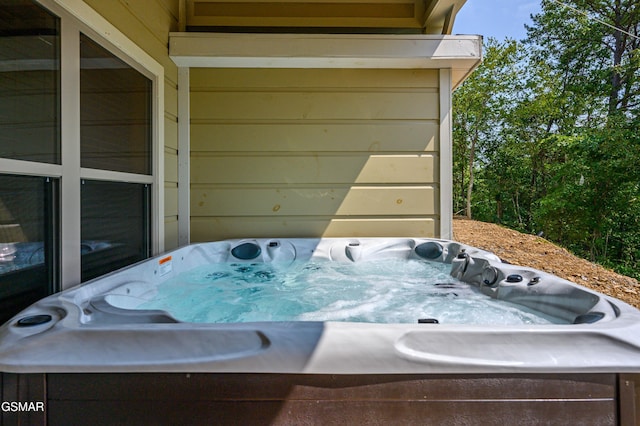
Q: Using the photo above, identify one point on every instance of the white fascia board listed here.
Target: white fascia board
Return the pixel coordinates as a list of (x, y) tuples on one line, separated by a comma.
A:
[(216, 50)]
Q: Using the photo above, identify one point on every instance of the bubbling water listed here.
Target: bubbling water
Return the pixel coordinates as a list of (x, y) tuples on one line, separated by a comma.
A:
[(380, 291)]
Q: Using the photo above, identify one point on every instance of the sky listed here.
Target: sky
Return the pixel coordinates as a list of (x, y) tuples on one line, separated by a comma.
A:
[(495, 18)]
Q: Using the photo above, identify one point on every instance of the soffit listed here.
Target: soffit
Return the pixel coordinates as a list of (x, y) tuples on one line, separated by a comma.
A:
[(337, 16)]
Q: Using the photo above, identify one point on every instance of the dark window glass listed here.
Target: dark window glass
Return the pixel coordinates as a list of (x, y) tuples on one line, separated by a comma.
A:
[(28, 218), (115, 112), (115, 226), (29, 82)]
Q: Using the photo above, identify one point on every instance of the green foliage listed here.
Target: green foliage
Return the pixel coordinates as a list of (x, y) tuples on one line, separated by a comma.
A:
[(479, 107), (548, 127)]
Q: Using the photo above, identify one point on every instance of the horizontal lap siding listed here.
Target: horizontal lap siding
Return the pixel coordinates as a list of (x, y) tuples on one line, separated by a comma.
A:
[(314, 153), (304, 136), (325, 201), (330, 106), (304, 168)]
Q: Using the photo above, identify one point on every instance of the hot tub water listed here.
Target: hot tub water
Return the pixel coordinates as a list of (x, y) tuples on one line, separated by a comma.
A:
[(375, 291)]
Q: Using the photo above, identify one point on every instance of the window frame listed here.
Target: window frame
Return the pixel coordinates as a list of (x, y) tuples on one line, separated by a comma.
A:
[(77, 17)]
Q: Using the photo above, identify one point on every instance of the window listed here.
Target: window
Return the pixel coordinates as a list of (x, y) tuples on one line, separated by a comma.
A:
[(115, 135), (79, 164), (114, 234), (29, 83), (29, 131), (115, 115), (28, 253)]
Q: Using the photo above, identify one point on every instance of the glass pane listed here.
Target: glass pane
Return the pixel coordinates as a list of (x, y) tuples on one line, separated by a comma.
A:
[(115, 112), (115, 226), (29, 82), (26, 241)]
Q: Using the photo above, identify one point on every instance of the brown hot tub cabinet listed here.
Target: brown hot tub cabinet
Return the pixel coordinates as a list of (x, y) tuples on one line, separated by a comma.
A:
[(272, 399)]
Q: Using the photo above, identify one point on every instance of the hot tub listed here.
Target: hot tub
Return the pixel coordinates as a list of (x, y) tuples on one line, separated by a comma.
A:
[(99, 327), (82, 320)]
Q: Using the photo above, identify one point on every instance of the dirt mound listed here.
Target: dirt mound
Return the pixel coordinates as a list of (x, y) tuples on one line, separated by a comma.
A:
[(530, 250)]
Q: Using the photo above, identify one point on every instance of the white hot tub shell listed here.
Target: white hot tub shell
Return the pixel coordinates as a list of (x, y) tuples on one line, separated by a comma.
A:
[(91, 328)]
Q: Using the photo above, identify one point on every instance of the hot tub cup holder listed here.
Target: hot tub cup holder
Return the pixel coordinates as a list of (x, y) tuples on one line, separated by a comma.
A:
[(34, 320)]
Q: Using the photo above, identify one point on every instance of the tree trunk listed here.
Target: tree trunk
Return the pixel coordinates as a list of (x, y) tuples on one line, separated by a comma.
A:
[(472, 155), (618, 52)]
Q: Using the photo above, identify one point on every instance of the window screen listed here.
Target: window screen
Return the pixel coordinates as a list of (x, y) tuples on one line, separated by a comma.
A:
[(115, 112), (115, 226)]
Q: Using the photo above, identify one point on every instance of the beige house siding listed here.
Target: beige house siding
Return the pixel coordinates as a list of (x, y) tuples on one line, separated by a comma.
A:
[(314, 152), (148, 23)]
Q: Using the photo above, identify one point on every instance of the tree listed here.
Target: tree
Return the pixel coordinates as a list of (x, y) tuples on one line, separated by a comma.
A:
[(479, 107), (546, 131), (593, 45), (596, 43)]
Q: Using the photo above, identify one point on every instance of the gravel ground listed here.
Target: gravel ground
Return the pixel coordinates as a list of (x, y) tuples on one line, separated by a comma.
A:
[(530, 250)]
